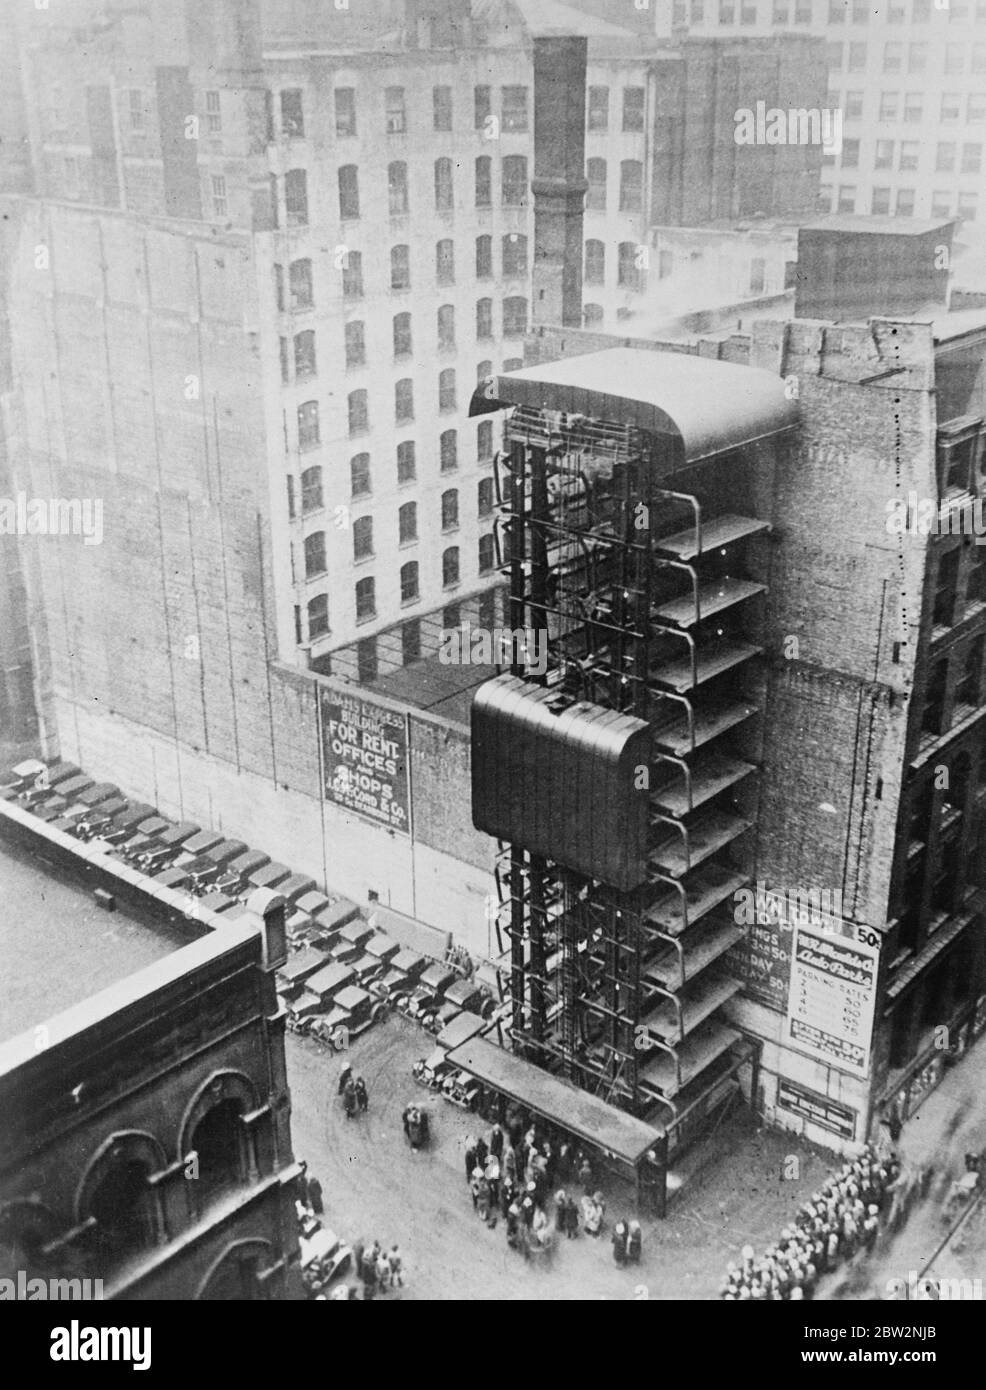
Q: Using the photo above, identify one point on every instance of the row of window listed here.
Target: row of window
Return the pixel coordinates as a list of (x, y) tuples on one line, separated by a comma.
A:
[(312, 495), (943, 203), (514, 324), (912, 111), (513, 186), (366, 649), (838, 11), (628, 272), (366, 595), (513, 114), (958, 58), (631, 198), (299, 293), (407, 524), (948, 158), (597, 108)]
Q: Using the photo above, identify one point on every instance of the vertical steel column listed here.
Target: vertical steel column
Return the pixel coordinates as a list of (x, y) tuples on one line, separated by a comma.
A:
[(515, 531)]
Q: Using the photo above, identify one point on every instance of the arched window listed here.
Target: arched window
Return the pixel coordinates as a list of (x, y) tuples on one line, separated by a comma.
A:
[(355, 344), (445, 262), (314, 554), (366, 599), (219, 1143), (514, 256), (358, 410), (311, 490), (592, 315), (400, 267), (514, 185), (448, 447), (450, 566), (304, 354), (446, 327), (487, 553), (397, 187), (116, 1194), (403, 346), (406, 463), (484, 498), (362, 537), (444, 196), (359, 475), (595, 262), (484, 257), (484, 370), (631, 185), (627, 273), (409, 582), (514, 316), (404, 401), (450, 509), (484, 437), (446, 389), (348, 193), (352, 275), (595, 198), (300, 285), (484, 319), (318, 616), (484, 181), (407, 523), (308, 435), (296, 197)]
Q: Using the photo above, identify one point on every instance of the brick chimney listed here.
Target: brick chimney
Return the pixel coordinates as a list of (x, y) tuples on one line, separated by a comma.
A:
[(559, 182)]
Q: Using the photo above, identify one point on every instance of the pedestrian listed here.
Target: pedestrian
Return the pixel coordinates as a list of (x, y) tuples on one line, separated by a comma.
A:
[(572, 1224), (396, 1267), (482, 1152), (369, 1272), (528, 1205), (358, 1249), (635, 1241), (349, 1099), (513, 1225), (483, 1198), (585, 1171), (304, 1194), (508, 1164), (362, 1099), (315, 1196), (344, 1075), (496, 1142), (383, 1272), (620, 1243), (476, 1179), (493, 1178)]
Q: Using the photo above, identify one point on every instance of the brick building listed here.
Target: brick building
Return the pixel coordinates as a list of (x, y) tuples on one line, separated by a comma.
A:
[(147, 1139)]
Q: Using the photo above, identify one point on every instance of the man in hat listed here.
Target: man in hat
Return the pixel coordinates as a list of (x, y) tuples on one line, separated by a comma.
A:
[(635, 1242), (349, 1100), (362, 1099), (344, 1076)]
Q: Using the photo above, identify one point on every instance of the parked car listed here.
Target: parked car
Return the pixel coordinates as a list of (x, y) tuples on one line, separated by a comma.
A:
[(323, 1258), (199, 843), (200, 872), (352, 1012)]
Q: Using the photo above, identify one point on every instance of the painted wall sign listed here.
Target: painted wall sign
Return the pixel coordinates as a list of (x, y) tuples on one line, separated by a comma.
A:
[(365, 759)]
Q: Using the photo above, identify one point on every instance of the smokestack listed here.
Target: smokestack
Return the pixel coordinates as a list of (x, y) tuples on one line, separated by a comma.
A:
[(559, 182)]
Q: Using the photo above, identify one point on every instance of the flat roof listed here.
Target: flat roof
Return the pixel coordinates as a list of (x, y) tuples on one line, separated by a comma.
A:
[(711, 406), (57, 948), (880, 224), (564, 1104)]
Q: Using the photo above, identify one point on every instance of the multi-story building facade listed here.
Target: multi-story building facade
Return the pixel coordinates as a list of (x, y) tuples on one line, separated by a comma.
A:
[(910, 80)]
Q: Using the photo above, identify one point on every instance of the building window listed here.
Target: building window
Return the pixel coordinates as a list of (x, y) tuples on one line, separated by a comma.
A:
[(484, 257), (396, 114), (397, 187), (362, 537), (954, 58), (884, 158), (592, 315), (946, 583), (304, 354), (411, 632), (514, 256), (893, 57), (941, 203), (950, 106), (358, 410), (482, 107), (135, 106), (847, 199), (213, 114), (969, 688), (292, 113), (833, 56), (727, 12), (975, 590), (318, 616), (308, 436), (311, 490), (633, 108), (484, 181), (300, 285), (345, 100), (515, 181), (441, 98), (366, 599), (972, 159), (446, 389), (888, 106), (934, 700), (296, 197), (595, 262), (914, 108), (484, 438), (409, 589), (403, 346), (279, 287), (857, 57), (976, 109), (484, 499), (880, 202), (627, 273), (631, 185), (359, 475), (968, 208), (748, 13), (450, 566), (905, 202), (513, 364), (314, 554), (445, 261), (595, 198), (979, 54), (355, 345), (285, 362), (487, 552), (446, 327), (348, 193), (484, 318), (352, 276), (803, 11), (407, 469), (404, 401), (219, 205), (407, 523), (484, 372), (514, 316), (514, 108), (909, 153), (449, 451), (450, 509), (598, 108), (854, 106), (444, 197), (400, 268)]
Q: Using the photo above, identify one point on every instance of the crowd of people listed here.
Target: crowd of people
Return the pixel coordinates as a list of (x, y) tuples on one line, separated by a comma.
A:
[(377, 1269), (840, 1219)]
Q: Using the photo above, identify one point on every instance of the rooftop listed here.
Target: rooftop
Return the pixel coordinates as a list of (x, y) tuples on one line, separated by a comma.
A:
[(880, 225), (58, 948)]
